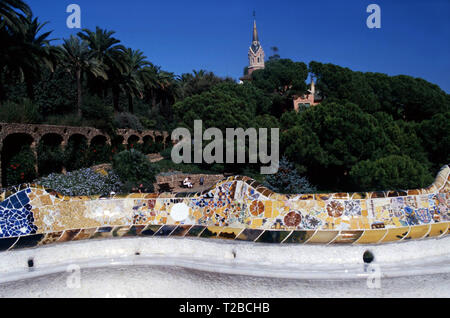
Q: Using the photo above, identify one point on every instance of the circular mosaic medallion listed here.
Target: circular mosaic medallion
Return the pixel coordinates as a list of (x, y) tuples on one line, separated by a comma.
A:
[(335, 209), (292, 219), (256, 208), (179, 212)]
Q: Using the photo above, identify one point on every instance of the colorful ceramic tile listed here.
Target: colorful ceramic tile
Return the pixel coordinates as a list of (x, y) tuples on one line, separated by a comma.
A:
[(235, 208), (249, 235), (273, 236), (347, 237), (323, 237), (396, 234), (371, 236), (28, 241)]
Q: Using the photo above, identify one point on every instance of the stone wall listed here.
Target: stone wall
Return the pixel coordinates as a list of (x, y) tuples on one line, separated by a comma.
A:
[(36, 132), (175, 180)]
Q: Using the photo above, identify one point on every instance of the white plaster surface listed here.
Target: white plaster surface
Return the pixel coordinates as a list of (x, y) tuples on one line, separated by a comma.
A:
[(171, 267)]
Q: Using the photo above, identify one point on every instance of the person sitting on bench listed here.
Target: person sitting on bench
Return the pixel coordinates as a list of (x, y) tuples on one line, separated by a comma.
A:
[(187, 183)]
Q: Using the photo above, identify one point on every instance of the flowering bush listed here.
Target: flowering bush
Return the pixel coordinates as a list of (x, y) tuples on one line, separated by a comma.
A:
[(99, 154), (21, 167), (82, 182)]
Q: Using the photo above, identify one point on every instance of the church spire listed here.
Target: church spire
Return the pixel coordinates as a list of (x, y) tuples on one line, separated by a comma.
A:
[(255, 32), (256, 52)]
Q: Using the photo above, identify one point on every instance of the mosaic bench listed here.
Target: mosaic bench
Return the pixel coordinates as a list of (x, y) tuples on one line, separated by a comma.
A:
[(237, 208)]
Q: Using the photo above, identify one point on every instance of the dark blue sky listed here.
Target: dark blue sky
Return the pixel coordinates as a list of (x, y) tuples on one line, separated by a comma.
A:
[(182, 35)]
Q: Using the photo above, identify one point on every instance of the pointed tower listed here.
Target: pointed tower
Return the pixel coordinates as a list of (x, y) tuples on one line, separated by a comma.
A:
[(255, 53)]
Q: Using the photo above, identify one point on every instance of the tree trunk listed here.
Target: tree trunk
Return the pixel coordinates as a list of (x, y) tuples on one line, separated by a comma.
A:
[(2, 93), (153, 101), (30, 88), (79, 95), (130, 103), (116, 95)]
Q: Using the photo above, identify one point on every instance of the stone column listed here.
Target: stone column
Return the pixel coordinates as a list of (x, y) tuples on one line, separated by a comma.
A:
[(33, 147), (63, 148)]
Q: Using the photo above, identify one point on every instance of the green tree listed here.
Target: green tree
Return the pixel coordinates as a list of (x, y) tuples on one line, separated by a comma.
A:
[(78, 59), (225, 105), (389, 173), (327, 140), (282, 80), (435, 137), (32, 51), (198, 82), (110, 54), (135, 76), (12, 13)]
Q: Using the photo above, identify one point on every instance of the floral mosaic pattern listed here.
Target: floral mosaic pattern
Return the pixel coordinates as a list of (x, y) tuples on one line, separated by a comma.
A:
[(236, 208)]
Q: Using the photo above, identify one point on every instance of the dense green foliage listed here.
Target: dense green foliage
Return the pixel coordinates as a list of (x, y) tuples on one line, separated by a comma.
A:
[(225, 105), (50, 158), (134, 169), (391, 172)]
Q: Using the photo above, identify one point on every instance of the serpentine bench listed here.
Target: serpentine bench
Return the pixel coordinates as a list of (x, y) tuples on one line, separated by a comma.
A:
[(237, 208)]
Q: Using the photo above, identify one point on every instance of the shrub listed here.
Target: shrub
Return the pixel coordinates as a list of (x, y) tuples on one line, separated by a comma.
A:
[(167, 153), (127, 120), (133, 168), (287, 180), (82, 182), (99, 154), (76, 154), (50, 158), (21, 168)]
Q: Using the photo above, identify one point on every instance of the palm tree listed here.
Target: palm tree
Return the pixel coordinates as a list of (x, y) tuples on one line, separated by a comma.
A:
[(31, 51), (107, 50), (135, 76), (80, 60), (198, 82), (10, 13)]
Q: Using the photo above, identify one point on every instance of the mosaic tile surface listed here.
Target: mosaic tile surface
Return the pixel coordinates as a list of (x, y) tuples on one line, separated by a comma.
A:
[(237, 208)]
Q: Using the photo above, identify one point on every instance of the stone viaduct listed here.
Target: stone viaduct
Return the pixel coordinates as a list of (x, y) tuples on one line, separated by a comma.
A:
[(31, 134)]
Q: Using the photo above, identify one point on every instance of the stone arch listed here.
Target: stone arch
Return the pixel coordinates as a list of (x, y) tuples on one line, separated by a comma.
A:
[(148, 144), (159, 142), (98, 140), (90, 134), (12, 144), (133, 141), (117, 144)]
